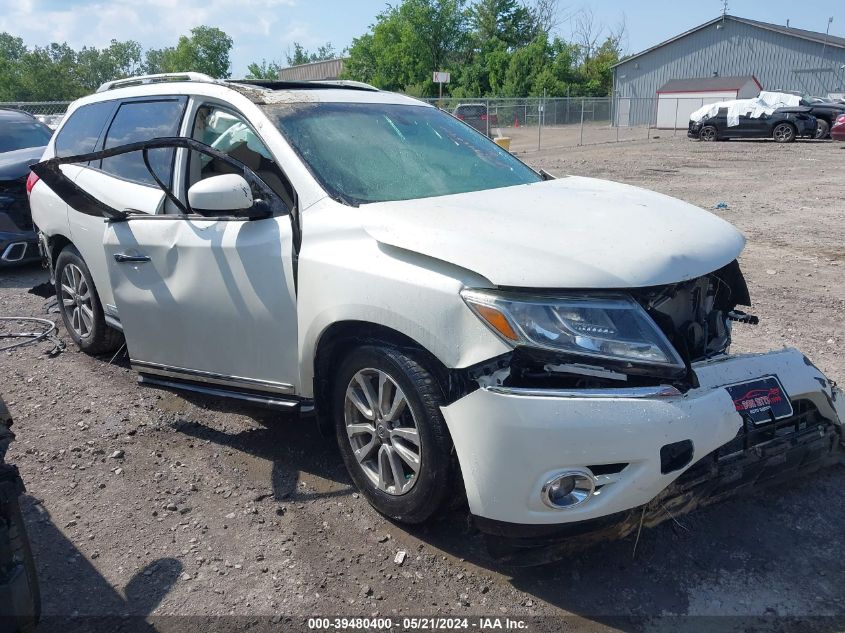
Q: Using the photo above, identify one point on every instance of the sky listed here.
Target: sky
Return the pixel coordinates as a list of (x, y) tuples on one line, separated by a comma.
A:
[(266, 29)]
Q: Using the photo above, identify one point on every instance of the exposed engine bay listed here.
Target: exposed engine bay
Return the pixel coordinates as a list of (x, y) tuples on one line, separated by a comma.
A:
[(696, 315)]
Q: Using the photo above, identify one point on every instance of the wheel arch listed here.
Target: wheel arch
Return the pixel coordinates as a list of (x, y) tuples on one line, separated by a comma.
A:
[(341, 337), (789, 123), (717, 131), (56, 243)]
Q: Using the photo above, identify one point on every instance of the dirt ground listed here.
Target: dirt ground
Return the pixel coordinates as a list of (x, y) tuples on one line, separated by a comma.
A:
[(526, 140), (144, 502)]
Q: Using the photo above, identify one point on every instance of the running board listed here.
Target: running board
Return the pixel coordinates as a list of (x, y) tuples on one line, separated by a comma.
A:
[(299, 405)]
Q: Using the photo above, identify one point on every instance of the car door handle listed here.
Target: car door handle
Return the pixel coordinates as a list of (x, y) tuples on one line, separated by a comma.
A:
[(123, 257)]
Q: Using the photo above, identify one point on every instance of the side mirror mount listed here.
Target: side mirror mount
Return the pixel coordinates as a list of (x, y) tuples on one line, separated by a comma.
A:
[(219, 194)]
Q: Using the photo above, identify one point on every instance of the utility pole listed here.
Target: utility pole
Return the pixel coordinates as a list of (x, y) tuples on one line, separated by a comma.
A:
[(826, 35)]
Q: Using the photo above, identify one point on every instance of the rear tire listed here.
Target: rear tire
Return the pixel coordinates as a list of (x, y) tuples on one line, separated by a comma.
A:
[(79, 303), (387, 390), (822, 129), (784, 133), (708, 133)]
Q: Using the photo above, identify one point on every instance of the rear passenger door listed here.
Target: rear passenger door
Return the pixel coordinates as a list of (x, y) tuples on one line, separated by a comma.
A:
[(122, 181), (755, 127)]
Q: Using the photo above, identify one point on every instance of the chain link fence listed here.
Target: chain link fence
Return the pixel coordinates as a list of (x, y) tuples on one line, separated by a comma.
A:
[(537, 123), (48, 112), (532, 123)]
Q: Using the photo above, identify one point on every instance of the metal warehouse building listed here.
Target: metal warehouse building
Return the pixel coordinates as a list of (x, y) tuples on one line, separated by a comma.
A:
[(777, 57), (315, 71)]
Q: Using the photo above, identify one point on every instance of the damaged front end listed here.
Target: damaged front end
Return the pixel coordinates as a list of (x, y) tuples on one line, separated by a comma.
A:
[(694, 317), (623, 426), (755, 459)]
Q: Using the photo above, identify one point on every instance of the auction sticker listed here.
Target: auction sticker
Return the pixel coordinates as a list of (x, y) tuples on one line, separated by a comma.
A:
[(761, 400)]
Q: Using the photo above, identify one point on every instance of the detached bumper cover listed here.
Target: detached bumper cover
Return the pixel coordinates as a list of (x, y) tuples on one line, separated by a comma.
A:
[(510, 445)]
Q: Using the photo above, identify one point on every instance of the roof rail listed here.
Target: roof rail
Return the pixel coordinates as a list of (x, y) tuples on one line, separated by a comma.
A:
[(304, 84), (153, 79)]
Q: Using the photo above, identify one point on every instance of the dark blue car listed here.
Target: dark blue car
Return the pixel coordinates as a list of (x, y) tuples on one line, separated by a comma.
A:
[(22, 141), (783, 125)]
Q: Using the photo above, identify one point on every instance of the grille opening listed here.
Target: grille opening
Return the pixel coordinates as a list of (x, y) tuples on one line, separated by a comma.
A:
[(694, 314), (805, 419), (607, 469), (675, 456)]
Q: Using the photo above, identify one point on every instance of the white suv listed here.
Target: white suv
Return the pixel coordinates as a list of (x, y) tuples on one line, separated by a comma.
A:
[(557, 349)]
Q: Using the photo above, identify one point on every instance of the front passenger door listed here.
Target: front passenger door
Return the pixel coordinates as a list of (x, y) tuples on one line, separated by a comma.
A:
[(207, 299), (211, 297)]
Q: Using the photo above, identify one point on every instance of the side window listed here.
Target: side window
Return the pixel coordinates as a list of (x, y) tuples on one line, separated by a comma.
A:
[(141, 121), (229, 133), (80, 133)]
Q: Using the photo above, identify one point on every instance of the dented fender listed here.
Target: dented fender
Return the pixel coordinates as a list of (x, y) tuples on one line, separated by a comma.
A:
[(346, 275)]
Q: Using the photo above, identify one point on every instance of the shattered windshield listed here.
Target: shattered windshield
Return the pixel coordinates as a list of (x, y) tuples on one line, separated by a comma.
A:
[(375, 152)]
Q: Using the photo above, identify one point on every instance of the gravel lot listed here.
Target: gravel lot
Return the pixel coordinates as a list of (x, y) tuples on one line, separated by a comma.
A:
[(145, 502)]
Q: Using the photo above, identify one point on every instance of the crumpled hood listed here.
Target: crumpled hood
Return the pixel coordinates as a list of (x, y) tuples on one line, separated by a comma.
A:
[(15, 164), (568, 233)]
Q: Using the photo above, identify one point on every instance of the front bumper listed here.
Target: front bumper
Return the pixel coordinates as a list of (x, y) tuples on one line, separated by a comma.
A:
[(509, 445)]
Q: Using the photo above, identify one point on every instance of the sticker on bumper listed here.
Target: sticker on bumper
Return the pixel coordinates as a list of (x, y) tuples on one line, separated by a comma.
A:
[(761, 400)]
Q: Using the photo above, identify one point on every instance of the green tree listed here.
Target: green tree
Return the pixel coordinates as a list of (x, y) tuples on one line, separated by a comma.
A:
[(120, 59), (507, 21), (154, 61), (301, 55), (264, 70), (408, 42), (48, 73), (595, 71), (11, 50), (205, 51)]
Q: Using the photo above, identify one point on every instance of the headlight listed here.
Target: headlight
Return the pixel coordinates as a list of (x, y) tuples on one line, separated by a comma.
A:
[(610, 327)]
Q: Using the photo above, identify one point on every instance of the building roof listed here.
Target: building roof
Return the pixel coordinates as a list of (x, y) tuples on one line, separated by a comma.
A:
[(324, 69), (813, 36), (708, 84)]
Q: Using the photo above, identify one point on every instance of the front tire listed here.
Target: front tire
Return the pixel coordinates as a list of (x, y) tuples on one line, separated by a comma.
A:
[(79, 303), (822, 129), (391, 433), (708, 133), (784, 133)]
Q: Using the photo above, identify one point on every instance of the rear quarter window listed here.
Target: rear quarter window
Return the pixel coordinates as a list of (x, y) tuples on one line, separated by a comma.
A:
[(141, 121), (81, 131)]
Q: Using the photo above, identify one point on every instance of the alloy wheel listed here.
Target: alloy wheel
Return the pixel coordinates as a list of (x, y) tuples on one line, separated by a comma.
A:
[(783, 133), (76, 301), (383, 431), (708, 134)]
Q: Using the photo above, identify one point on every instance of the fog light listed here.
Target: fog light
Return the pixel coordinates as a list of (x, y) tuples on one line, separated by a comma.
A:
[(568, 489)]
